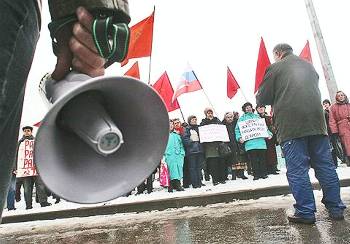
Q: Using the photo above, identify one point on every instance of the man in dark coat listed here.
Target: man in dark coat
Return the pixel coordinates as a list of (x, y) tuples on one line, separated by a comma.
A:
[(290, 85)]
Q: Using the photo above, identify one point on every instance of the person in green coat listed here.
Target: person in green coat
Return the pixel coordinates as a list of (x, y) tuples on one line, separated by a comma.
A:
[(174, 157), (255, 148)]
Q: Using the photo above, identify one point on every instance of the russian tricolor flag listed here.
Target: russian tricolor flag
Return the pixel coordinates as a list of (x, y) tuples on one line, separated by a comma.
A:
[(188, 83)]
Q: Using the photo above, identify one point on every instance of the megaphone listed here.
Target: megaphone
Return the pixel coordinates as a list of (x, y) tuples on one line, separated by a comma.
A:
[(101, 136)]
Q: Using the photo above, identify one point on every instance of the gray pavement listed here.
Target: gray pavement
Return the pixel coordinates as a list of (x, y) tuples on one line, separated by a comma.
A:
[(162, 204), (254, 221)]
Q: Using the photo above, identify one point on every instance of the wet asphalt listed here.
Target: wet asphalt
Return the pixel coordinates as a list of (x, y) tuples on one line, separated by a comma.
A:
[(254, 221)]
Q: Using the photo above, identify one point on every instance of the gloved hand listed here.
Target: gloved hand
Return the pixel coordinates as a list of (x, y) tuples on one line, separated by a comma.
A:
[(76, 48)]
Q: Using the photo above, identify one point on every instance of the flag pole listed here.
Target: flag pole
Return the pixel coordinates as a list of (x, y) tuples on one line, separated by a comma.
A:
[(183, 117), (211, 105), (150, 57), (245, 98)]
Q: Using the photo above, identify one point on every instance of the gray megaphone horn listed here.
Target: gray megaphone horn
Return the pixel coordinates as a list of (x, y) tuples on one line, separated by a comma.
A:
[(101, 136)]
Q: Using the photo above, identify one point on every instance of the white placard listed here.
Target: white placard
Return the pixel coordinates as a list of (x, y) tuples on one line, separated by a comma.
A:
[(25, 161), (214, 132), (253, 128)]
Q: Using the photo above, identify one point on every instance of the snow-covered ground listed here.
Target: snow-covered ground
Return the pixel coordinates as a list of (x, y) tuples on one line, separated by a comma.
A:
[(161, 193)]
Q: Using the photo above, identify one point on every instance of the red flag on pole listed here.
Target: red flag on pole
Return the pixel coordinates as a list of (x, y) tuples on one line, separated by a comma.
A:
[(232, 85), (165, 90), (262, 64), (188, 83), (134, 71), (141, 35), (306, 53)]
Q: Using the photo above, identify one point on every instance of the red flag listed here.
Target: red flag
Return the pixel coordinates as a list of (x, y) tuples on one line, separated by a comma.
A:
[(232, 85), (306, 53), (188, 83), (262, 64), (134, 71), (165, 90), (141, 35)]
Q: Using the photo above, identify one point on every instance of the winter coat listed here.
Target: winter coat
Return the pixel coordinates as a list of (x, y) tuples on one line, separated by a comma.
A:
[(291, 87), (18, 145), (271, 154), (234, 145), (257, 143), (339, 122), (232, 135), (174, 156), (191, 147), (211, 148)]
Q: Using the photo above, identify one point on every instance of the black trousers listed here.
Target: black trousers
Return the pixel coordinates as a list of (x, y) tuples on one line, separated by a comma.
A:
[(28, 185), (186, 173), (19, 34), (149, 185), (257, 157), (217, 169)]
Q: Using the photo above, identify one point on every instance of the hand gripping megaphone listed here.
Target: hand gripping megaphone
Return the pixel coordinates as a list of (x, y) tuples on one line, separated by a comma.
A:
[(101, 136)]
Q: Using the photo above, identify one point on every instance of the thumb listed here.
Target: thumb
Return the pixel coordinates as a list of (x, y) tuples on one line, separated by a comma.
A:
[(64, 62)]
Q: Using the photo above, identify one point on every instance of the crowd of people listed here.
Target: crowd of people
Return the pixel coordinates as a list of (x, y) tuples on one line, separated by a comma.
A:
[(191, 162)]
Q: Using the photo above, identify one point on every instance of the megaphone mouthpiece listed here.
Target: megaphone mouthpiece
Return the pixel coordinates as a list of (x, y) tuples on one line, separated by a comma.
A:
[(85, 116)]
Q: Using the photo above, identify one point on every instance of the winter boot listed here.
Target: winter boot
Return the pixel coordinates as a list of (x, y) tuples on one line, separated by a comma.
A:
[(171, 186), (178, 186), (241, 174), (234, 174)]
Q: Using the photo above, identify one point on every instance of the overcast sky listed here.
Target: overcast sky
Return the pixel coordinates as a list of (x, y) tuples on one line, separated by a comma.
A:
[(211, 35)]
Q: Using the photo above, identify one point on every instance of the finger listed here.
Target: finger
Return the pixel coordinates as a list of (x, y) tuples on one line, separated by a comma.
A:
[(85, 18), (89, 57), (84, 37), (64, 62), (82, 67)]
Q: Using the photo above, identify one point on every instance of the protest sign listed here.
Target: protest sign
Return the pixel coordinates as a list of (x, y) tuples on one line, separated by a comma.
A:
[(214, 132), (253, 128), (25, 161)]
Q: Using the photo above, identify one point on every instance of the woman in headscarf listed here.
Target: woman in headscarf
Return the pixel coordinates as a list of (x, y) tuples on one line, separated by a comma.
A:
[(235, 160), (174, 158), (339, 120)]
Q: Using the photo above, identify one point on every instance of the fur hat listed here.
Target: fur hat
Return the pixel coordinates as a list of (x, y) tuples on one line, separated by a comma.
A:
[(206, 110)]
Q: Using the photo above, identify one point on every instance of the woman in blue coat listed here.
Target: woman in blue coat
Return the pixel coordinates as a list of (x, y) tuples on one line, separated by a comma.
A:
[(174, 158), (194, 151), (255, 148)]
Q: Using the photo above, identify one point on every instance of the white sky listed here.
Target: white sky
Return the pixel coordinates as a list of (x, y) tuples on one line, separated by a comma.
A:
[(211, 35)]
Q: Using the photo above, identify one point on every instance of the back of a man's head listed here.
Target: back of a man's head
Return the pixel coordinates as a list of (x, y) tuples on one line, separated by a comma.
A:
[(282, 48)]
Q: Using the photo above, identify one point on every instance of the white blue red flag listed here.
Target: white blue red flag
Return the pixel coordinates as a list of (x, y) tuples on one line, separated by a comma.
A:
[(188, 83)]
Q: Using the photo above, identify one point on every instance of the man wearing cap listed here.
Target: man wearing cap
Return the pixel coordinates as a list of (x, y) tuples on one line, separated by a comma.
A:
[(290, 86), (29, 181)]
